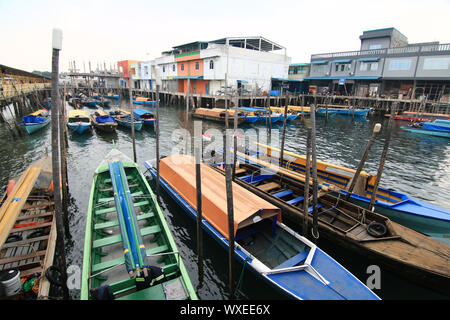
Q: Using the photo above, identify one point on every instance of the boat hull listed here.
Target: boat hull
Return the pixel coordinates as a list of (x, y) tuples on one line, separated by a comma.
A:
[(428, 132), (124, 123), (33, 127), (146, 103), (251, 119), (79, 128)]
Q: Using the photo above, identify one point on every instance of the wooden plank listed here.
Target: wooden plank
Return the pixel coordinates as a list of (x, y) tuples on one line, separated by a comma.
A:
[(268, 186), (40, 215), (38, 205), (44, 286), (41, 225), (22, 242), (27, 256)]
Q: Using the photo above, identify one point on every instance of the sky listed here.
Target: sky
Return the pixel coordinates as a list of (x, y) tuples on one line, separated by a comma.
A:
[(109, 31)]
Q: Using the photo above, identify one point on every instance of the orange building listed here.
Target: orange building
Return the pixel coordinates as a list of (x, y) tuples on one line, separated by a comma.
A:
[(124, 67)]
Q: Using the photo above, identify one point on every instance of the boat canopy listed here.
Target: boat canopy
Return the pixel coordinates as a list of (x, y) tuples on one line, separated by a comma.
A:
[(142, 113), (33, 119), (78, 114), (179, 172), (249, 109), (104, 119)]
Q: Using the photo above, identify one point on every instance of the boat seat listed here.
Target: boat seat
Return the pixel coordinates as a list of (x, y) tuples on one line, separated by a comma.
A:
[(283, 193), (295, 200), (246, 233), (310, 209), (115, 223), (268, 186), (253, 179), (239, 171), (293, 261), (113, 209), (107, 241)]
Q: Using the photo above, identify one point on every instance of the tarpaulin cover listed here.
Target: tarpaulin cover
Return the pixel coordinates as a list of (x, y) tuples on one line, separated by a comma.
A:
[(32, 119), (104, 119)]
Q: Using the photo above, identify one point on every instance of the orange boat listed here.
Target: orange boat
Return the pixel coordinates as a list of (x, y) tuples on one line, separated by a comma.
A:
[(218, 114)]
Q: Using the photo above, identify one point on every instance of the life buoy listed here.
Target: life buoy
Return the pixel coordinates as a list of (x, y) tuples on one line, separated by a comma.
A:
[(376, 229)]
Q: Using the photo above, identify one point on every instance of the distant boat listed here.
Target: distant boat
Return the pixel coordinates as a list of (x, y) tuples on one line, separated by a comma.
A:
[(103, 122), (90, 103), (146, 116), (253, 114), (143, 101), (112, 96), (78, 121), (123, 118), (35, 121), (439, 128), (218, 114), (129, 251), (279, 256), (344, 112), (415, 116)]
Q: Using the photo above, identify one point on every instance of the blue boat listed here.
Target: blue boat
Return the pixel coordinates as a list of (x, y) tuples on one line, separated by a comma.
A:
[(438, 127), (278, 255), (144, 101), (78, 121), (123, 118), (253, 114), (90, 103), (112, 96), (145, 116), (35, 121)]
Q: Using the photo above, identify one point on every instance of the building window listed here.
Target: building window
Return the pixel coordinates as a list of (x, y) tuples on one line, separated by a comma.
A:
[(399, 65), (342, 67), (173, 67), (164, 69), (211, 64), (368, 66), (196, 65), (146, 69), (374, 46), (182, 67), (436, 63), (319, 68)]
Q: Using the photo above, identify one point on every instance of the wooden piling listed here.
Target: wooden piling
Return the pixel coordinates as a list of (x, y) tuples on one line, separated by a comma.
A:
[(383, 157), (56, 170), (307, 175), (198, 181), (283, 134), (157, 142), (353, 181), (315, 231), (230, 212), (132, 117)]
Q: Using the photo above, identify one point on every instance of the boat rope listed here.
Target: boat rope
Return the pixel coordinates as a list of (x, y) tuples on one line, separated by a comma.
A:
[(237, 292), (315, 236)]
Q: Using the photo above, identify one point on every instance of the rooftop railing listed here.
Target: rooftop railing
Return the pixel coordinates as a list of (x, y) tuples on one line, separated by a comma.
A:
[(399, 50)]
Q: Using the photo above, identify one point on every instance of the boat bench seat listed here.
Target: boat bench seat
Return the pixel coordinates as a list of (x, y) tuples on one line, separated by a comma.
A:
[(283, 193), (115, 223), (293, 261), (113, 209), (268, 186), (253, 179), (107, 241), (247, 233), (239, 171), (295, 200), (310, 209)]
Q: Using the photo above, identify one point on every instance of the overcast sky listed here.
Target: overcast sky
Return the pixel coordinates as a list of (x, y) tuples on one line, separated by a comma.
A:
[(108, 31)]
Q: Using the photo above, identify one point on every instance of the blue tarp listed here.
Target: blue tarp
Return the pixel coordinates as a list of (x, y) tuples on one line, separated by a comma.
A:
[(32, 119), (104, 119), (141, 112)]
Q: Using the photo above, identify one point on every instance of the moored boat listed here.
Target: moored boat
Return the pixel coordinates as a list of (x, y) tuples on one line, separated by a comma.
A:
[(404, 251), (123, 118), (218, 114), (112, 96), (417, 116), (439, 128), (144, 101), (401, 208), (35, 121), (102, 121), (78, 121), (252, 114), (129, 251), (28, 234), (284, 259), (145, 116)]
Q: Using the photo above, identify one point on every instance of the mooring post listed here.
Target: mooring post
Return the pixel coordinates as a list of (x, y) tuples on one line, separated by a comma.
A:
[(235, 134), (307, 175), (63, 156), (383, 157), (376, 130), (187, 115), (198, 181), (57, 45), (315, 232), (132, 116), (283, 134), (157, 142), (230, 212)]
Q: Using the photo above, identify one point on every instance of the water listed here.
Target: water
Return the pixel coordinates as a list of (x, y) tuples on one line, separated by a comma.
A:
[(416, 165)]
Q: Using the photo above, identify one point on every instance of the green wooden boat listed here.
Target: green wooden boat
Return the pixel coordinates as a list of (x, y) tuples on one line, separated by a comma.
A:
[(129, 252)]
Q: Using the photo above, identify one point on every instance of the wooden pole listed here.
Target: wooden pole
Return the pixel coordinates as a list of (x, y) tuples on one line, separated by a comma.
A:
[(55, 164), (235, 135), (63, 157), (157, 141), (283, 134), (198, 181), (132, 116), (375, 131), (230, 211), (315, 231), (383, 158), (187, 114), (307, 174)]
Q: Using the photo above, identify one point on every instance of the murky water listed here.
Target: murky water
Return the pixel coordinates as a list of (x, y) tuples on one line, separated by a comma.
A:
[(416, 165)]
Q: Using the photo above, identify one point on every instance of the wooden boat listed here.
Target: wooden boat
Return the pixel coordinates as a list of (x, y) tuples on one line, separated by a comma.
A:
[(103, 103), (35, 121), (28, 232), (401, 208), (402, 250), (344, 112), (252, 114), (291, 114), (297, 109), (278, 255), (144, 101), (145, 116), (129, 251), (218, 114), (439, 128), (123, 118), (273, 116), (78, 121), (90, 103), (112, 96), (102, 121), (75, 102), (414, 116)]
